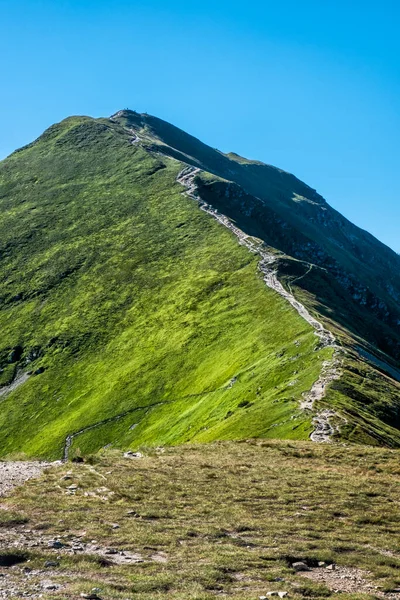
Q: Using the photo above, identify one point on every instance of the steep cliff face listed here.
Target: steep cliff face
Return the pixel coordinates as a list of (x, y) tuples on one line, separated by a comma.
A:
[(155, 291)]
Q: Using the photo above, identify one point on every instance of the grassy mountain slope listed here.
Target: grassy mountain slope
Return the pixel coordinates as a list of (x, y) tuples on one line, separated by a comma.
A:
[(368, 393), (128, 297), (141, 319), (340, 272)]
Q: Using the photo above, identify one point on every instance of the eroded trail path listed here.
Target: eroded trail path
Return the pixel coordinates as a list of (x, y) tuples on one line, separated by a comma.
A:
[(331, 368), (18, 380), (13, 474), (146, 408)]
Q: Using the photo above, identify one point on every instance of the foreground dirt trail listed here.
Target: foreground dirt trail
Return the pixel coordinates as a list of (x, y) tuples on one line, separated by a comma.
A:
[(331, 368), (13, 474)]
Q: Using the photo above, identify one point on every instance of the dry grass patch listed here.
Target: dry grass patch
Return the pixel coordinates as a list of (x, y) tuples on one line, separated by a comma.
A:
[(221, 519)]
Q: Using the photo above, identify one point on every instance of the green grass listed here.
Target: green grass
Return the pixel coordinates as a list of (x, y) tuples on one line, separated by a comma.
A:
[(135, 303), (138, 309), (293, 218), (229, 518), (367, 397)]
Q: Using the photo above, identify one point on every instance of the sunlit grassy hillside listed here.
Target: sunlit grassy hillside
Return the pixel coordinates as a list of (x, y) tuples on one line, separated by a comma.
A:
[(130, 305), (129, 316)]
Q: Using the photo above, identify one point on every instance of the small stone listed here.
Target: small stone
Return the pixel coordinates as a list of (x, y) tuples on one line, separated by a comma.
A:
[(49, 585), (131, 454), (115, 526), (321, 563), (72, 487), (331, 567), (111, 551), (56, 544), (51, 563), (300, 566)]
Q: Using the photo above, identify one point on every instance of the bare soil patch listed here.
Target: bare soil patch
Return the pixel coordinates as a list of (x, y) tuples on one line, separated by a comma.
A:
[(13, 474)]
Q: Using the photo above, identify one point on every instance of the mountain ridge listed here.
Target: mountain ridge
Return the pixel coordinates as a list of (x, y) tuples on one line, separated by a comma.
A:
[(97, 239), (344, 246)]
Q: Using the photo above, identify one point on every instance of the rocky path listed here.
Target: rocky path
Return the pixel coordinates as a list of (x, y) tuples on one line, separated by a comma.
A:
[(329, 372), (13, 474), (331, 368)]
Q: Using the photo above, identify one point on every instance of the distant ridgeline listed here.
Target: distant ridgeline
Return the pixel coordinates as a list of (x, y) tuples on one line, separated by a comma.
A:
[(157, 291)]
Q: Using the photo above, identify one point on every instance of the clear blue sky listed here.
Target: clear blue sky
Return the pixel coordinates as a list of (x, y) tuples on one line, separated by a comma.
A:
[(311, 86)]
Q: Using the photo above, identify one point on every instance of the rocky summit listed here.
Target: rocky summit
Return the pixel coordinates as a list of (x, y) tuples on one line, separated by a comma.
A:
[(156, 291)]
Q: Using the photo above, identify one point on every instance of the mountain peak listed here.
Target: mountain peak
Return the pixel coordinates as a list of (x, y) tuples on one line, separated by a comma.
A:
[(157, 291)]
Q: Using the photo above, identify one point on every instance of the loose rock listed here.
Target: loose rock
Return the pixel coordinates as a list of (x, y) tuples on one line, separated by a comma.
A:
[(300, 566), (49, 585), (131, 454), (56, 544), (51, 563)]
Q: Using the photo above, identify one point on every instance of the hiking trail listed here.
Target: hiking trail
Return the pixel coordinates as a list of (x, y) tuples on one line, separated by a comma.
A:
[(330, 368)]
